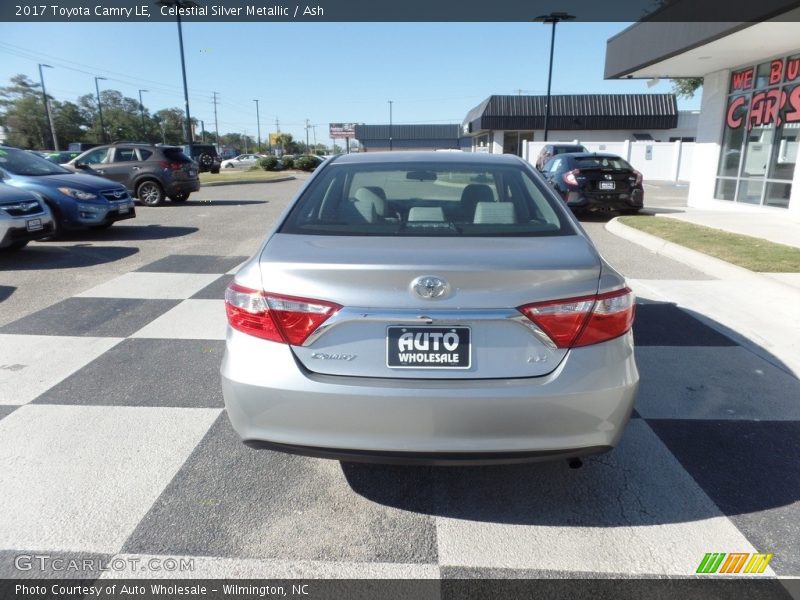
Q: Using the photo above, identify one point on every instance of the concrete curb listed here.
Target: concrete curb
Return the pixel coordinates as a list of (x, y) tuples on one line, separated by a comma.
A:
[(709, 265), (219, 183)]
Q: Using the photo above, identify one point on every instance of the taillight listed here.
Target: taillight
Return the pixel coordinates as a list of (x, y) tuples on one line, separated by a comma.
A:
[(637, 178), (275, 317), (171, 165), (586, 320), (570, 177)]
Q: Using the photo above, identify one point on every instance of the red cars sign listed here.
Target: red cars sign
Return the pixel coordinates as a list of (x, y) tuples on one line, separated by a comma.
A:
[(766, 106)]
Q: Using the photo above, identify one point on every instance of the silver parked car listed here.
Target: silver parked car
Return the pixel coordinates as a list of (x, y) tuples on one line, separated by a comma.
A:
[(429, 308), (24, 216)]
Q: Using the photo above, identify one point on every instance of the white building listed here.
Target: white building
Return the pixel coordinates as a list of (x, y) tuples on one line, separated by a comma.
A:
[(749, 125)]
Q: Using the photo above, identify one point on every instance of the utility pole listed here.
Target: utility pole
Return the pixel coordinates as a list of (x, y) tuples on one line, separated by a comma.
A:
[(141, 111), (216, 124), (390, 125), (100, 110), (553, 18), (258, 127), (202, 130), (48, 115), (278, 132), (307, 149)]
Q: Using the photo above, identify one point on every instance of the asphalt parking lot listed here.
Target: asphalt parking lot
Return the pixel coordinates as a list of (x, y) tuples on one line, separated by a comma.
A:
[(114, 441)]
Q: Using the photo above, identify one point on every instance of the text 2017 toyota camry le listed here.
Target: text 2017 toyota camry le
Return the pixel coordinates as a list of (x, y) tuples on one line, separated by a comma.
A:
[(429, 308)]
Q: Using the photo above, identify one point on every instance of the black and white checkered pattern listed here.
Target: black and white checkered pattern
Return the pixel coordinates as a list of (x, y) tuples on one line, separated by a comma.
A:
[(114, 442)]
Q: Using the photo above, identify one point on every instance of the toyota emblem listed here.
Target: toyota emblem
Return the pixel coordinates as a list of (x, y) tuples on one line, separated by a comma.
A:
[(429, 287)]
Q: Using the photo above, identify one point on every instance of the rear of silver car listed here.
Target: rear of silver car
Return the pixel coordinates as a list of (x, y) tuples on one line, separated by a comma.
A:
[(427, 325)]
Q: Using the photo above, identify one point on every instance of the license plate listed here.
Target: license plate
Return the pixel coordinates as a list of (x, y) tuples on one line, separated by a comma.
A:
[(34, 224), (192, 172), (607, 185), (428, 347), (124, 210)]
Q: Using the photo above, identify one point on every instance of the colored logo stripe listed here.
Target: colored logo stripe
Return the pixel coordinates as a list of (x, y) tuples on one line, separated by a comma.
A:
[(734, 563)]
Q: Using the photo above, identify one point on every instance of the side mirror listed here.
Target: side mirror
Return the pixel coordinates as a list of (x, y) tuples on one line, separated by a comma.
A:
[(81, 165)]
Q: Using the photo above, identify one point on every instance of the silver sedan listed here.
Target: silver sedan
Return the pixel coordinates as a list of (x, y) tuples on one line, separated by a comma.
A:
[(243, 161), (429, 308)]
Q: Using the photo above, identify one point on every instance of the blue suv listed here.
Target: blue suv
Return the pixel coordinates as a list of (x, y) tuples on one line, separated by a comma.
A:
[(76, 200)]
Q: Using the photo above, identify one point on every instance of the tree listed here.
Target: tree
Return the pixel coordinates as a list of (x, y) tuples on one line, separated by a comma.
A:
[(23, 113), (169, 123), (70, 122), (687, 86)]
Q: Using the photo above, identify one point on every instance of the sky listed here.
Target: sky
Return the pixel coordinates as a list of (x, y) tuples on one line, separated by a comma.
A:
[(323, 72)]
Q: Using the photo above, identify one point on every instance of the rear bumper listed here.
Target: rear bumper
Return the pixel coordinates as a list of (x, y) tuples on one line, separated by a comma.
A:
[(182, 187), (580, 408), (599, 201)]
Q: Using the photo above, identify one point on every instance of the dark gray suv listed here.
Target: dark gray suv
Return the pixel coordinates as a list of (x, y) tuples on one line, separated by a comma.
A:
[(151, 173)]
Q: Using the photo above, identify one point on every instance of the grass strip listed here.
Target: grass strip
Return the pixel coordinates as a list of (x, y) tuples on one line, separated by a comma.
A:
[(751, 253)]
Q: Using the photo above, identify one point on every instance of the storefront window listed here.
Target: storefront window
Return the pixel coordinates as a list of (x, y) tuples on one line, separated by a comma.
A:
[(510, 142), (762, 132)]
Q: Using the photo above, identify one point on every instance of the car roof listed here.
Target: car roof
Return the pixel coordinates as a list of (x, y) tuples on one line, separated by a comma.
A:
[(589, 155), (477, 158)]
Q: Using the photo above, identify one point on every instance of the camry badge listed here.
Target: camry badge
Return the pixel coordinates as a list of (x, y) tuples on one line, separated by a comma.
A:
[(429, 287)]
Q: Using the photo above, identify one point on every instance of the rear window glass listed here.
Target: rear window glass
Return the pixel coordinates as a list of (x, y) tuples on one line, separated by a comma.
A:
[(425, 199), (563, 149), (176, 154), (602, 162)]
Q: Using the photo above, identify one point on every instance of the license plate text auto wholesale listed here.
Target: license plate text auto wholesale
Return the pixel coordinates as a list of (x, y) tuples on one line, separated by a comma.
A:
[(606, 185), (428, 347), (33, 224)]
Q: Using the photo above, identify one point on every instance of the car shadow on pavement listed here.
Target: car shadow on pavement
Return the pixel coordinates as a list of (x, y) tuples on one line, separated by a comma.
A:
[(6, 291), (211, 203), (714, 433), (121, 233), (48, 257)]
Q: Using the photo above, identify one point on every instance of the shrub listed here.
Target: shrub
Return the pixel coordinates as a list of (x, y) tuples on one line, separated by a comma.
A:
[(288, 163), (268, 163), (305, 163)]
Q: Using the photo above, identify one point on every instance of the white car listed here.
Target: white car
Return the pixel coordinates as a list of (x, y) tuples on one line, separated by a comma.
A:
[(243, 161)]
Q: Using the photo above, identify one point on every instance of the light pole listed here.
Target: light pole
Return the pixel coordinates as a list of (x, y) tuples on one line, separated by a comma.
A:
[(179, 4), (141, 111), (100, 109), (258, 127), (307, 149), (390, 125), (47, 114), (553, 18)]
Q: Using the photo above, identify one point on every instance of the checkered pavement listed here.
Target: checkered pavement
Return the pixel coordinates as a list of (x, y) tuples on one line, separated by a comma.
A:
[(114, 443)]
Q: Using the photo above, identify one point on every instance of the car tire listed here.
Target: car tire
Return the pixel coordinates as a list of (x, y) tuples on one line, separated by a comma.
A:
[(214, 170), (150, 193), (14, 246), (178, 198), (206, 161), (629, 211)]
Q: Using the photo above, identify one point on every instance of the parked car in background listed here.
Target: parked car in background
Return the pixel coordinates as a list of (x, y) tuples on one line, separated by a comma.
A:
[(594, 181), (61, 157), (429, 307), (150, 172), (76, 200), (243, 161), (24, 216), (548, 151), (205, 155)]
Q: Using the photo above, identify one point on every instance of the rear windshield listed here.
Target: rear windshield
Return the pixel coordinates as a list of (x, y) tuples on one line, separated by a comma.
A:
[(564, 149), (176, 154), (425, 199), (602, 162)]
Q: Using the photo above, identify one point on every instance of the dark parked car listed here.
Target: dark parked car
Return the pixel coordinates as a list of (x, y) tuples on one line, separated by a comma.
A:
[(205, 155), (150, 172), (75, 199), (592, 181), (24, 216), (551, 150), (61, 157)]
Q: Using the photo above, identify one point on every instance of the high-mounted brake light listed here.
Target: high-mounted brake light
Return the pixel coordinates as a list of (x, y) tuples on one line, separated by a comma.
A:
[(586, 320), (285, 319)]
